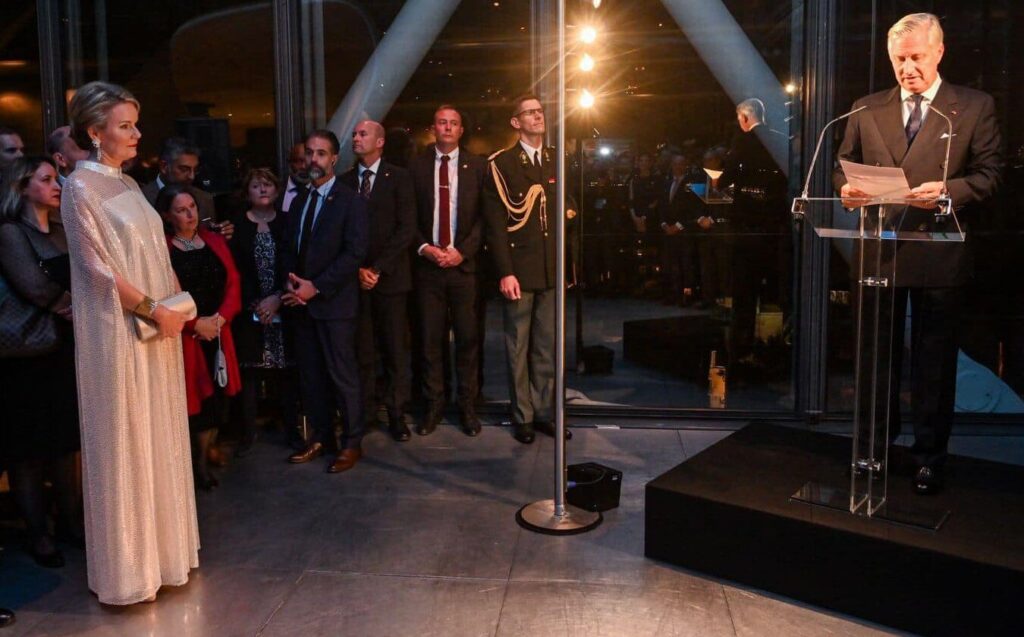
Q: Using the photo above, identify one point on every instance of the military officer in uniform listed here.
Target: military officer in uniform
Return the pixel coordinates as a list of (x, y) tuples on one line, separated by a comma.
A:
[(519, 205)]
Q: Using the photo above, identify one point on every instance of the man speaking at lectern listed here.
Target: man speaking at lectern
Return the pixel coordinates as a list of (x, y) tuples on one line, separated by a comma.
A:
[(904, 127)]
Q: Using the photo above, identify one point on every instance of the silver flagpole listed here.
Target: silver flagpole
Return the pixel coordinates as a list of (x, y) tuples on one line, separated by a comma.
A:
[(554, 516)]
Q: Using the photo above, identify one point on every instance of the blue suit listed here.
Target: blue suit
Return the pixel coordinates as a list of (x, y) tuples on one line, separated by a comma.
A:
[(325, 327)]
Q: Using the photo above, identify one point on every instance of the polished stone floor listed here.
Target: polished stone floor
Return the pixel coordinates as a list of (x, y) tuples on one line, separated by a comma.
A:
[(420, 539)]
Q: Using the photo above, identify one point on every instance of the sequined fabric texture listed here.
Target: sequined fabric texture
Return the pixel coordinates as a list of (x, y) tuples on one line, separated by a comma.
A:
[(140, 515)]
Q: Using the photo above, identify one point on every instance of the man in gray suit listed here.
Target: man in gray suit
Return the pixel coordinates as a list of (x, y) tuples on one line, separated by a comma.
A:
[(899, 128)]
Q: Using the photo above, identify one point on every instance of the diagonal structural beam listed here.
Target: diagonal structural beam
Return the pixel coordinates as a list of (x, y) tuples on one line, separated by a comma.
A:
[(736, 64), (396, 58)]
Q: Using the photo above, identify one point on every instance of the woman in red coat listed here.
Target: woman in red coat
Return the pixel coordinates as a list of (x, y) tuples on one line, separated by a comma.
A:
[(202, 261)]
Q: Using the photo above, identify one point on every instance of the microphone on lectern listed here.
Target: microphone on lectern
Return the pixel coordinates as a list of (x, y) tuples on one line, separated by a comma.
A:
[(800, 202)]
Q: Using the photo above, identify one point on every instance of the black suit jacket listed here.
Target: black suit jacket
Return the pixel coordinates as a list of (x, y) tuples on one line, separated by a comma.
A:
[(392, 212), (339, 239), (759, 197), (468, 222), (875, 136), (684, 208), (529, 252)]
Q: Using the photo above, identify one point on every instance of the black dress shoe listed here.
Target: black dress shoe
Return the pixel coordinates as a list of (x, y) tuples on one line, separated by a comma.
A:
[(548, 429), (927, 480), (399, 430), (523, 432), (469, 422), (6, 617), (432, 419)]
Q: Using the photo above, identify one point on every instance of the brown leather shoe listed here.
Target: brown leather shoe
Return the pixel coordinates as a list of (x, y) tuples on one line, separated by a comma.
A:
[(309, 453), (345, 460)]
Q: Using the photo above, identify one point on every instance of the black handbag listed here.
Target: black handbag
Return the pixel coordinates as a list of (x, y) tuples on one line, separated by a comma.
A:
[(25, 330)]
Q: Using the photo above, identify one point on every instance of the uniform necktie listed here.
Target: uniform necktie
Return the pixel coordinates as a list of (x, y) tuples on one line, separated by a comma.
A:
[(914, 121), (444, 214), (365, 186), (307, 228)]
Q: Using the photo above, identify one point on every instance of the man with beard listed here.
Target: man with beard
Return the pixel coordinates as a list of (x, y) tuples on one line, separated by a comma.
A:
[(297, 178), (325, 244)]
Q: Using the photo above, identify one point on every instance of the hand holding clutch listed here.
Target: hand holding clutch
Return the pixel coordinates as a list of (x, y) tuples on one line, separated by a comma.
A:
[(182, 303)]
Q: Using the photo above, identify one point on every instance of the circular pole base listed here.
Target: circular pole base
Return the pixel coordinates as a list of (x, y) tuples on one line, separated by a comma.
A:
[(540, 517)]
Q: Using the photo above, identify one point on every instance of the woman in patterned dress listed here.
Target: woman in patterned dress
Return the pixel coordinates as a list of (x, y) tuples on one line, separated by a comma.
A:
[(260, 337)]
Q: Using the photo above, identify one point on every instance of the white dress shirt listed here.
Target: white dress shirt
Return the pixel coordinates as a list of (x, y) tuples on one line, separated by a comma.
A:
[(375, 167), (536, 155), (453, 197), (323, 191), (291, 189), (908, 104)]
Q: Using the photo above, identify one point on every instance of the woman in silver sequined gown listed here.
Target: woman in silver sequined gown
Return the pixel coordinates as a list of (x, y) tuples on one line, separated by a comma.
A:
[(140, 515)]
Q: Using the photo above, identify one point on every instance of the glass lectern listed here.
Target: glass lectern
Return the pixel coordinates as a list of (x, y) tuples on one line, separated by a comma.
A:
[(877, 230)]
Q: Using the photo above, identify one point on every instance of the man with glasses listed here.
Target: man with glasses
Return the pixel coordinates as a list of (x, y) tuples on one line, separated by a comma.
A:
[(519, 206)]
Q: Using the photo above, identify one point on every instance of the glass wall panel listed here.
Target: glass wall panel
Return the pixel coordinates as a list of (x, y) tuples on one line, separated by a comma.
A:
[(202, 70), (684, 275), (20, 92), (654, 316), (978, 54)]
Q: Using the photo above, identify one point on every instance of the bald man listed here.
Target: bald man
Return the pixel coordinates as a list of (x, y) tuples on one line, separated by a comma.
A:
[(11, 146), (64, 151), (385, 278), (297, 180)]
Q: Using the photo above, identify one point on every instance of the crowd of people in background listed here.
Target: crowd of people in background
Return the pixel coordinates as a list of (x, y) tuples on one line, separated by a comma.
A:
[(331, 300)]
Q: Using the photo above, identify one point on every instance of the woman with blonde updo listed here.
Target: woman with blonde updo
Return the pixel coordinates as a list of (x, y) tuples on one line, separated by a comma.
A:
[(140, 516)]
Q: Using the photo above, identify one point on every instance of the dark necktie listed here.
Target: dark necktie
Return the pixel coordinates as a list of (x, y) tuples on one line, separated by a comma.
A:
[(444, 211), (536, 164), (307, 229), (365, 186), (914, 121)]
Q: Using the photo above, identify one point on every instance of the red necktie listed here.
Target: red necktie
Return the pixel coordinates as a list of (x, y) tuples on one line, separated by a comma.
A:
[(444, 215)]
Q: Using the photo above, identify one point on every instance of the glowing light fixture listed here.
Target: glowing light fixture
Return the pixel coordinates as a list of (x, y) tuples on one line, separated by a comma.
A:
[(586, 99), (586, 63), (588, 35), (791, 88), (605, 151)]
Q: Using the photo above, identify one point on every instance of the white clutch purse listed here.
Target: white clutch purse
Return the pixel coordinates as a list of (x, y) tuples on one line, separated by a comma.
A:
[(180, 302)]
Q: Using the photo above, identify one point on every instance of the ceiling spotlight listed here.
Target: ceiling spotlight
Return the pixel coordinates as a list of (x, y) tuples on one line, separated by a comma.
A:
[(597, 4), (588, 35), (586, 63), (605, 151), (586, 99)]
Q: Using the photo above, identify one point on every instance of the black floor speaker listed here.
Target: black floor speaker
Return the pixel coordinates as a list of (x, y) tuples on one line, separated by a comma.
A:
[(594, 487)]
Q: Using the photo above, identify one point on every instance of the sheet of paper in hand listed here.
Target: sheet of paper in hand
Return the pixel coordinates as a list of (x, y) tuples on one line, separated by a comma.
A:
[(881, 183)]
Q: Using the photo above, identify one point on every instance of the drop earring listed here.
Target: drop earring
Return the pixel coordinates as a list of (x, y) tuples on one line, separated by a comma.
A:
[(99, 151)]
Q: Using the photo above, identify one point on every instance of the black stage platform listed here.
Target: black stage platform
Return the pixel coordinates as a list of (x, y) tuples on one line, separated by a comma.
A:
[(727, 512)]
